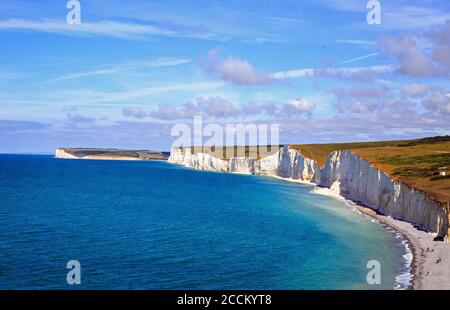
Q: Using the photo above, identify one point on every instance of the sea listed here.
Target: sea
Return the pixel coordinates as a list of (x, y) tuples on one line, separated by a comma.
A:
[(154, 225)]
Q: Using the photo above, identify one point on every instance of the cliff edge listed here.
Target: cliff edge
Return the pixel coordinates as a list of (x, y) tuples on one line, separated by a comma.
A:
[(344, 172), (109, 154)]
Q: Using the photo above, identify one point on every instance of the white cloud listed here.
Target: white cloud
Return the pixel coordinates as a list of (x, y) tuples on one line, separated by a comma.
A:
[(356, 42), (297, 73), (234, 70), (134, 112), (438, 101), (298, 106), (414, 90), (415, 60), (216, 107), (106, 28), (359, 58), (83, 97), (111, 69), (413, 17)]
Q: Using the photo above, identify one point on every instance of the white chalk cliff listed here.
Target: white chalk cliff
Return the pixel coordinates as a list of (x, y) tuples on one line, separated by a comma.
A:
[(345, 173), (61, 153)]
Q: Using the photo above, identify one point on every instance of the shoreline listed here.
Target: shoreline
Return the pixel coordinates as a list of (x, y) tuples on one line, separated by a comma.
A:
[(429, 257), (410, 247), (112, 159), (409, 244), (426, 273)]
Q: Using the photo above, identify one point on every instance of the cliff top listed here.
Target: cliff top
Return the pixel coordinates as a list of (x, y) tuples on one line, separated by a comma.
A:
[(417, 163), (116, 153)]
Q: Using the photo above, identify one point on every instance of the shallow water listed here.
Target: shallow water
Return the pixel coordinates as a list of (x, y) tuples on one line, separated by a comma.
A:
[(152, 225)]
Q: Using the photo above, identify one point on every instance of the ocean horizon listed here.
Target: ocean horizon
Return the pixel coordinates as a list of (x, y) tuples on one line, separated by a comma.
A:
[(155, 225)]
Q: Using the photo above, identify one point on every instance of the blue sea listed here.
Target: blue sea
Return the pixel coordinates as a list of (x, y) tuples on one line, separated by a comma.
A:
[(153, 225)]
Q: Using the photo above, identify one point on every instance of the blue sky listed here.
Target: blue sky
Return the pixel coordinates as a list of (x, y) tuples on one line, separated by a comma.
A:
[(134, 68)]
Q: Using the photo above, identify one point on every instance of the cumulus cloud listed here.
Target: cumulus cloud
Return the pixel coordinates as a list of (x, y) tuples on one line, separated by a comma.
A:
[(291, 109), (170, 112), (360, 99), (215, 106), (438, 101), (418, 61), (441, 53), (135, 112), (222, 109), (233, 69), (410, 59), (297, 107), (78, 118), (415, 90), (261, 107), (409, 111)]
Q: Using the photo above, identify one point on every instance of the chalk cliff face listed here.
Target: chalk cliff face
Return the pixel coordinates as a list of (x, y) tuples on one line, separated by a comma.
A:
[(60, 153), (200, 161), (109, 154), (356, 179), (345, 173)]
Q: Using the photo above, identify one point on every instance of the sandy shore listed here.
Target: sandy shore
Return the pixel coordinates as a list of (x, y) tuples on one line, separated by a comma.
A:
[(431, 259)]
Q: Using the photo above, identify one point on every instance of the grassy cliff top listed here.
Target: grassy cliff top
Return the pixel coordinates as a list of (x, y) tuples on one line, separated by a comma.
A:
[(414, 162), (320, 152), (116, 153)]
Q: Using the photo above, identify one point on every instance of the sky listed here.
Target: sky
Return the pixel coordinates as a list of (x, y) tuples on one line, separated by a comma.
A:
[(133, 69)]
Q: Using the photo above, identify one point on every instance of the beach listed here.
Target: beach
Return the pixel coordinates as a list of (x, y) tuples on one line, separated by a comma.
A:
[(430, 257)]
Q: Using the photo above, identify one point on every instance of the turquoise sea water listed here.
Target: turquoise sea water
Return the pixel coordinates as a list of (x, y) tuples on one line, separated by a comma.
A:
[(152, 225)]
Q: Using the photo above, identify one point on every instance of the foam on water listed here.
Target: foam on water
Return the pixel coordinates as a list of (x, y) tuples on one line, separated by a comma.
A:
[(405, 277)]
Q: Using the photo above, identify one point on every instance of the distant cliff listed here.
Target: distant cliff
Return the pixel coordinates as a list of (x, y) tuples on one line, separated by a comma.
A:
[(345, 173), (109, 154)]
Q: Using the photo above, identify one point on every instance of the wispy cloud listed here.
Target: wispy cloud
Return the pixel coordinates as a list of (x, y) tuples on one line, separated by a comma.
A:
[(116, 68), (122, 30), (37, 103), (397, 15), (356, 42), (346, 6), (287, 20), (298, 73), (92, 97), (414, 17), (11, 75), (360, 58)]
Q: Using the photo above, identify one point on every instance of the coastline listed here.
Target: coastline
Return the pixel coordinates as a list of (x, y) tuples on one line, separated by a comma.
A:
[(425, 272), (429, 256), (340, 178), (395, 225), (404, 229), (409, 244)]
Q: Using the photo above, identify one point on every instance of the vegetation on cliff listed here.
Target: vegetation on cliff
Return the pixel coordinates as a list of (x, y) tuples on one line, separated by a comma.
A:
[(417, 163), (93, 153)]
